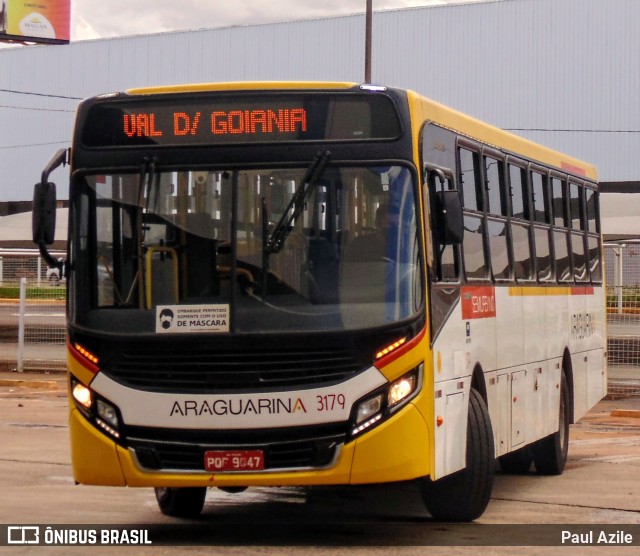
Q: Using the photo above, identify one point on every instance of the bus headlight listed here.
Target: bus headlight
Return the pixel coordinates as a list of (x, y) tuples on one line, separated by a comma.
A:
[(82, 395), (107, 413), (96, 409), (402, 389), (369, 408), (374, 409)]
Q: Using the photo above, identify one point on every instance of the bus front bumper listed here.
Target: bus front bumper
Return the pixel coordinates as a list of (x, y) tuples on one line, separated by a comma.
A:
[(396, 450)]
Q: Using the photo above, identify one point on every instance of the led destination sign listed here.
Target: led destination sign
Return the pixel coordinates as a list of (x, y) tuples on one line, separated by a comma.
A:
[(234, 122), (240, 119)]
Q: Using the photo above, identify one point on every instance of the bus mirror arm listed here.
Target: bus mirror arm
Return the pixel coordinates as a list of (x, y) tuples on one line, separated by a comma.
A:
[(44, 210), (61, 158)]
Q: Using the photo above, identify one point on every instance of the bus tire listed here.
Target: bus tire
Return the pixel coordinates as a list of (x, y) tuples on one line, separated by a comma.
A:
[(464, 495), (181, 502), (517, 462), (550, 453)]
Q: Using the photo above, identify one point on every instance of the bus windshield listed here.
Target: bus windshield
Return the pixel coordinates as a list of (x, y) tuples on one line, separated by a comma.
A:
[(324, 247)]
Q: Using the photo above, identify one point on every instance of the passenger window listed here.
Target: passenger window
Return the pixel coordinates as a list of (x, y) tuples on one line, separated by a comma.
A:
[(563, 262), (518, 189), (559, 202), (591, 200), (595, 267), (543, 253), (473, 248), (448, 264), (469, 180), (575, 206), (579, 257), (499, 249), (494, 187), (539, 190), (521, 251)]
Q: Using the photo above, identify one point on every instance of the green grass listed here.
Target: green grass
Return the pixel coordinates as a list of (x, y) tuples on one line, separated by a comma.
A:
[(52, 293)]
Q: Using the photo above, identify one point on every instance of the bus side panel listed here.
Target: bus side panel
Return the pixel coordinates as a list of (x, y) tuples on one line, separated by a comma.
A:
[(452, 353), (510, 327), (597, 381), (535, 331), (554, 371), (451, 439), (557, 324), (597, 338), (537, 385), (578, 347)]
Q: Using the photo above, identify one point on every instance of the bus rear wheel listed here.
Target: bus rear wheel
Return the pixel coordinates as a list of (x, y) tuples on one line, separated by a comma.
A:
[(464, 495), (550, 453), (181, 502)]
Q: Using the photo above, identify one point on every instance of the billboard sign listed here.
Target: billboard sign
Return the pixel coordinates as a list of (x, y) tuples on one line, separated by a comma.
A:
[(39, 21)]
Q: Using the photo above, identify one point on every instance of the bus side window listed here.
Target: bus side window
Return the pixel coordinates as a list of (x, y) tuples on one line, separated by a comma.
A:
[(473, 254), (593, 239), (542, 225), (559, 208), (499, 248), (522, 259), (518, 190), (472, 200), (495, 190), (578, 220)]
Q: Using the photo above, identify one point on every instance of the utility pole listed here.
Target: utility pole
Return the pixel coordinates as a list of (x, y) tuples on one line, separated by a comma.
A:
[(367, 43)]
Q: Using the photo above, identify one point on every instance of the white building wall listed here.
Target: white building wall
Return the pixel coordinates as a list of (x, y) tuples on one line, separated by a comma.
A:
[(561, 72)]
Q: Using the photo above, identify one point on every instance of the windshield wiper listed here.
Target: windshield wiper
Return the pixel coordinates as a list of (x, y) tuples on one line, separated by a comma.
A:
[(296, 204), (145, 182)]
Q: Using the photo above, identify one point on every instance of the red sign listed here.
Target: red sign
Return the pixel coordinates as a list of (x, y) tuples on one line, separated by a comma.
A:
[(478, 302), (234, 460)]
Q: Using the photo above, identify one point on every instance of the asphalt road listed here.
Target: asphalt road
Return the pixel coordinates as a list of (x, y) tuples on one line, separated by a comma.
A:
[(601, 486)]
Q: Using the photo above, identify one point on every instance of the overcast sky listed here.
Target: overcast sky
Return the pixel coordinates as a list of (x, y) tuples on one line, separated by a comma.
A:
[(92, 19)]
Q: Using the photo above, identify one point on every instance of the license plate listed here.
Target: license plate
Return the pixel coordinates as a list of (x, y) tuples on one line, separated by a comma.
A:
[(234, 460)]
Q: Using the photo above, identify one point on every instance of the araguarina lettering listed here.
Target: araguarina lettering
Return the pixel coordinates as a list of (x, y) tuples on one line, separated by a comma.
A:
[(258, 406)]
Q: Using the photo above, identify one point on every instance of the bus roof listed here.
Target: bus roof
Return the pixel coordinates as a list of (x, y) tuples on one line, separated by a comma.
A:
[(473, 128), (241, 86)]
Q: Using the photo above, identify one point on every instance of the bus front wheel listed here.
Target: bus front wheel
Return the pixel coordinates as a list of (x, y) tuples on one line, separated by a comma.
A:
[(464, 495), (181, 502)]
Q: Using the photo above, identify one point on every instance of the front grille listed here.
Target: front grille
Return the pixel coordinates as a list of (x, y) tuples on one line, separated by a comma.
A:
[(300, 454), (202, 370)]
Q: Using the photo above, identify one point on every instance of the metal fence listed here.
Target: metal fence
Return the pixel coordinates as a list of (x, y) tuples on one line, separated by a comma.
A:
[(623, 317), (32, 313), (32, 326)]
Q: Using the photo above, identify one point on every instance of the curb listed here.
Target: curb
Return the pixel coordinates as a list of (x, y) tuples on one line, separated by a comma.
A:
[(635, 413), (29, 383)]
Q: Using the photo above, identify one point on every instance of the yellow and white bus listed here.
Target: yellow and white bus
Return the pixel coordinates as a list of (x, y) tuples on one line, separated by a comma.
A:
[(322, 284)]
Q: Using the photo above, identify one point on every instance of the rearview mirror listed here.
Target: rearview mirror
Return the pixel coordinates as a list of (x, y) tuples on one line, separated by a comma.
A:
[(43, 217), (44, 213), (448, 221), (446, 212)]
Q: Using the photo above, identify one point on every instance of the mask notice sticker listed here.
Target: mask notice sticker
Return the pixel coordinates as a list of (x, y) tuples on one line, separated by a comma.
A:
[(188, 319)]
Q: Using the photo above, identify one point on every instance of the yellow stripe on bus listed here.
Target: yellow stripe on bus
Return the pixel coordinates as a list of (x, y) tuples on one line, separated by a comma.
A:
[(522, 291)]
